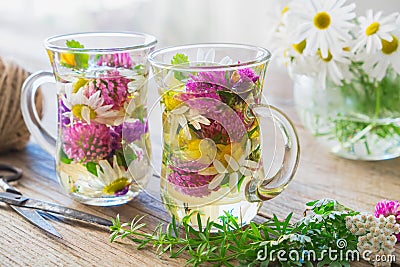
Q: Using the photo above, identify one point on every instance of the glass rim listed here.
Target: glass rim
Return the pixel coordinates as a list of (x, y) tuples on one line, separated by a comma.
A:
[(149, 41), (261, 59)]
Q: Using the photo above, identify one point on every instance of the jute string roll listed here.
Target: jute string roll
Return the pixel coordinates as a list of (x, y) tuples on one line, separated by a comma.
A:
[(13, 133)]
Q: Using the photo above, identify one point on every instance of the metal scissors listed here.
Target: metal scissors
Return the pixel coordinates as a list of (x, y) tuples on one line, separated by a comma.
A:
[(34, 210)]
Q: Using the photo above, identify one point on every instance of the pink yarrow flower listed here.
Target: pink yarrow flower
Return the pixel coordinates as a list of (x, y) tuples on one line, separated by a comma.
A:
[(387, 208)]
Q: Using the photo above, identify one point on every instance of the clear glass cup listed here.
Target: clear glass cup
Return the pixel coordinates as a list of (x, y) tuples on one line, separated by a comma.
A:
[(102, 142), (213, 147)]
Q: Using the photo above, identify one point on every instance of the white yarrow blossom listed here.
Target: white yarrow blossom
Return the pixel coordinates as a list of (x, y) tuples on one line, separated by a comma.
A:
[(325, 25), (373, 29)]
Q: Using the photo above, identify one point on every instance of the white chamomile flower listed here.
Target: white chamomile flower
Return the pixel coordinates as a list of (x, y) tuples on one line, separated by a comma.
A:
[(378, 63), (237, 164), (183, 116), (89, 108), (206, 57), (335, 67), (137, 83), (323, 24), (113, 180), (373, 29)]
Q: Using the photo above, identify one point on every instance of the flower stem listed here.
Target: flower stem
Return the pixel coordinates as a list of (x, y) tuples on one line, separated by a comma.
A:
[(378, 101)]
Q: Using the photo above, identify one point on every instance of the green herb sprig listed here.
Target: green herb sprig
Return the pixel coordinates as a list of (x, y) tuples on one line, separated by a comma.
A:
[(226, 243)]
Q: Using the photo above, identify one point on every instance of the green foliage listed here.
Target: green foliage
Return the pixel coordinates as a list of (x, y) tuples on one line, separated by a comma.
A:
[(180, 59), (225, 242), (64, 158), (91, 167), (81, 59)]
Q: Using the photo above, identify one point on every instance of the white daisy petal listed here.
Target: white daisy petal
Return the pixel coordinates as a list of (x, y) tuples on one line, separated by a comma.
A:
[(216, 181), (251, 164), (219, 166), (85, 113), (246, 172), (233, 181), (232, 162)]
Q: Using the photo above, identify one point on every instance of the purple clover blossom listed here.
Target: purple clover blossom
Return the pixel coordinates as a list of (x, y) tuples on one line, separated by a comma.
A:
[(387, 208), (248, 73), (190, 183), (206, 84), (113, 87), (116, 60), (225, 121), (86, 142), (132, 131)]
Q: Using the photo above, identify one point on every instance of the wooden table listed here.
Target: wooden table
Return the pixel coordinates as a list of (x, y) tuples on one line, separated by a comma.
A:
[(320, 175)]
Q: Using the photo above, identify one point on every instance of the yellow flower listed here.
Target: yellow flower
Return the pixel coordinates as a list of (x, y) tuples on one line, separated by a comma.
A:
[(170, 101), (201, 150), (67, 59)]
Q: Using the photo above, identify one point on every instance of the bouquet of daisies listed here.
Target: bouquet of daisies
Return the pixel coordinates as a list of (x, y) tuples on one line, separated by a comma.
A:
[(326, 39), (346, 72)]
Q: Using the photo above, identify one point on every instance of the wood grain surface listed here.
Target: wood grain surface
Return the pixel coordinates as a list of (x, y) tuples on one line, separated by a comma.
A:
[(354, 183)]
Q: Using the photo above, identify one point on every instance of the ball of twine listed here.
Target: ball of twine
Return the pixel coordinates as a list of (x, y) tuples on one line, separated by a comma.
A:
[(13, 132)]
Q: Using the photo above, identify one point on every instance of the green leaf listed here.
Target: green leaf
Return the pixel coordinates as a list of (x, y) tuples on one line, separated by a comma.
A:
[(91, 167), (81, 59), (180, 59), (64, 158)]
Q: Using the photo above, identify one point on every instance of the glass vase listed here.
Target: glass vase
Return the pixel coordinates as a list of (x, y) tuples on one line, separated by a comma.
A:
[(358, 120)]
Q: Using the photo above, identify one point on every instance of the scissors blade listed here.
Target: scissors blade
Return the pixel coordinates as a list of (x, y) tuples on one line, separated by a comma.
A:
[(36, 219), (23, 201)]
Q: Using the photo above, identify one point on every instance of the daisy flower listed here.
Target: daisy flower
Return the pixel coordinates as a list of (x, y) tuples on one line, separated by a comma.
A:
[(376, 65), (183, 116), (233, 162), (373, 29), (323, 24), (89, 108), (334, 67), (111, 180)]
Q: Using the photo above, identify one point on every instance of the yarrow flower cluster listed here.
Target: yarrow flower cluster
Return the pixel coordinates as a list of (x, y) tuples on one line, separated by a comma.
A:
[(327, 40), (376, 236), (387, 208)]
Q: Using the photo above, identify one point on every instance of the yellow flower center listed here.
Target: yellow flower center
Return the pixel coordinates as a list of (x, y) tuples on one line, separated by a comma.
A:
[(77, 111), (116, 185), (300, 46), (322, 20), (372, 29), (390, 47), (326, 59), (284, 10)]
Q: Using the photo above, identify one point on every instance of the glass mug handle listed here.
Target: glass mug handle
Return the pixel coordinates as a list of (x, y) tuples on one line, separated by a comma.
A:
[(32, 120), (265, 188)]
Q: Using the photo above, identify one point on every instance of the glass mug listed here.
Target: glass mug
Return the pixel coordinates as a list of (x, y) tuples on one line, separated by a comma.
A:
[(213, 146), (102, 128)]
